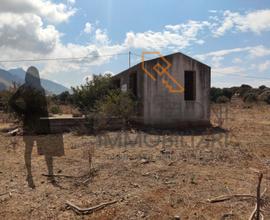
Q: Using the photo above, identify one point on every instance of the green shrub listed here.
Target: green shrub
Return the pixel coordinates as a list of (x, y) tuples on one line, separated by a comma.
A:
[(265, 96), (256, 91), (116, 104), (215, 93), (250, 97), (4, 99), (244, 89), (55, 109), (263, 87), (222, 99), (227, 92), (234, 89), (260, 91), (85, 96), (62, 98)]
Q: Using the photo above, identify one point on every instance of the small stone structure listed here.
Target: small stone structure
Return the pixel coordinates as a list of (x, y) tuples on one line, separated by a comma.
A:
[(65, 123), (158, 106)]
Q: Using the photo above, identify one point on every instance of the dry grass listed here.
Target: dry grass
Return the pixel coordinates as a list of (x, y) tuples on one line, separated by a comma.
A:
[(148, 182)]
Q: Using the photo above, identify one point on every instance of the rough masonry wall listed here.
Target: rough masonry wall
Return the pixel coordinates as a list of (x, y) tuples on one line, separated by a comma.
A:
[(165, 109)]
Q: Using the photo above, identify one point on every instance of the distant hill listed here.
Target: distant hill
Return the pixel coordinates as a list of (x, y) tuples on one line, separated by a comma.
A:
[(19, 72), (18, 75), (6, 78)]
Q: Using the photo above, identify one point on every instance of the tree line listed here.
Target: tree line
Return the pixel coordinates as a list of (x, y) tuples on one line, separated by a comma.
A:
[(246, 92), (102, 96)]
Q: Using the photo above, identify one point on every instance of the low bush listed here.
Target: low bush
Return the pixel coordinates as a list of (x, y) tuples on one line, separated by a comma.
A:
[(250, 97), (243, 90), (55, 109), (228, 93), (222, 99), (4, 99), (84, 97), (116, 104), (265, 96), (263, 87), (216, 93), (113, 111)]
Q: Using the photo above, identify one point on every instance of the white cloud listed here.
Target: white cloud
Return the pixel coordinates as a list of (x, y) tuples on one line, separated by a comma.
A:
[(200, 41), (237, 60), (228, 23), (24, 33), (29, 38), (176, 36), (190, 28), (264, 66), (259, 51), (222, 53), (91, 55), (72, 2), (88, 28), (228, 70), (27, 34), (44, 8), (254, 51), (255, 21), (237, 64), (101, 37), (220, 60), (109, 72), (216, 61)]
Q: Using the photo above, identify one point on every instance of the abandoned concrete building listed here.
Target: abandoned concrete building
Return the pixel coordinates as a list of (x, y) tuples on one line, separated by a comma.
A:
[(172, 91)]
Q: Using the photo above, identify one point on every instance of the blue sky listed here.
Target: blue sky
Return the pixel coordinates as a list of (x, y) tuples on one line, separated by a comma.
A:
[(230, 36)]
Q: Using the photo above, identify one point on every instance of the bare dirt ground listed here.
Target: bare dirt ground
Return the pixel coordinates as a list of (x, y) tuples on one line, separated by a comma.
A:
[(168, 175)]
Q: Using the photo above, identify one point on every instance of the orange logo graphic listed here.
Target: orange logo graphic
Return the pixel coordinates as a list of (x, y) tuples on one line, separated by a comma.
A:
[(163, 71)]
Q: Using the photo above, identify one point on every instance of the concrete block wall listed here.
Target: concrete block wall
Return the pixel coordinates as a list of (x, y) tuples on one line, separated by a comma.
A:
[(164, 109)]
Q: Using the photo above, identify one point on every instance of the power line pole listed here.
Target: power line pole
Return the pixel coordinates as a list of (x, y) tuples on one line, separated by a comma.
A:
[(129, 53)]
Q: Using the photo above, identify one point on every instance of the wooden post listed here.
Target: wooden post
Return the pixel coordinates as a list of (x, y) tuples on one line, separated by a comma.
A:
[(259, 196), (129, 53)]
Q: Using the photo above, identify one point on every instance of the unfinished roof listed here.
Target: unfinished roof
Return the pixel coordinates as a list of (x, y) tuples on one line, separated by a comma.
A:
[(157, 58)]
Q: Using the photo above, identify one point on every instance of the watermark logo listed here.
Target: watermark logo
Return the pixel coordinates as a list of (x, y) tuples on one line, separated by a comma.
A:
[(168, 80)]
